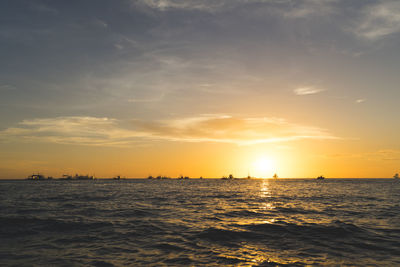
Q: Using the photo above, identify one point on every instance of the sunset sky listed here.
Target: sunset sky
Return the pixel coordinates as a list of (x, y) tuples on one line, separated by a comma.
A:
[(200, 88)]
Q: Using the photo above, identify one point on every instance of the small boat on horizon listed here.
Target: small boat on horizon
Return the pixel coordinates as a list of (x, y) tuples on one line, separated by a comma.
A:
[(396, 176), (275, 176), (76, 177), (38, 176), (320, 177), (230, 177)]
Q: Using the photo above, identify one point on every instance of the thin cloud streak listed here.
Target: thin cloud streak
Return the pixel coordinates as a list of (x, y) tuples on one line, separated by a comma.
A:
[(111, 132), (293, 8), (307, 90), (382, 155)]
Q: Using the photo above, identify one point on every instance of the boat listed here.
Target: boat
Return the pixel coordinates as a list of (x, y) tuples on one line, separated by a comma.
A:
[(76, 177), (66, 177), (396, 176), (275, 176), (230, 177), (38, 177), (82, 177), (320, 177)]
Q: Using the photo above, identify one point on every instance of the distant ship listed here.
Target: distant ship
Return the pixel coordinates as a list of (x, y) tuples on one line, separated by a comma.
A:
[(275, 176), (38, 177), (76, 177), (230, 177), (396, 176), (158, 177), (320, 177)]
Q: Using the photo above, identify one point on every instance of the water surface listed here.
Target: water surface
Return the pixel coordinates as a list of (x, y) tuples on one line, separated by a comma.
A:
[(200, 222)]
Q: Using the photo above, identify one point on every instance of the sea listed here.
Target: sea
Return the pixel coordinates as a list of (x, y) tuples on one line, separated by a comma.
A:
[(200, 222)]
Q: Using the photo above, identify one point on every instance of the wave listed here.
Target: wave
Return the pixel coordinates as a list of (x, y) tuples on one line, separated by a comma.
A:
[(242, 213), (289, 210), (288, 231), (17, 224), (333, 230), (168, 247), (216, 234)]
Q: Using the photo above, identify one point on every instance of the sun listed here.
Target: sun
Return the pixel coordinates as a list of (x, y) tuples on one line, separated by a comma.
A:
[(263, 167)]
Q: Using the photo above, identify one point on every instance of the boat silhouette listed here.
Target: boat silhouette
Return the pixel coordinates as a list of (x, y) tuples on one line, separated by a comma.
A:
[(320, 177), (76, 177), (38, 177), (230, 177)]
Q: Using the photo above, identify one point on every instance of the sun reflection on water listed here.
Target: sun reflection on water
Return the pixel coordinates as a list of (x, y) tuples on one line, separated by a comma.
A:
[(265, 189)]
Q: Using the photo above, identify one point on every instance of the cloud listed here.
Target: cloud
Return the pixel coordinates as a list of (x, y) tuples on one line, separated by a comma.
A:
[(147, 100), (371, 20), (381, 155), (379, 20), (308, 8), (70, 130), (288, 8), (307, 90), (211, 128), (388, 154), (100, 23), (182, 4), (227, 129), (6, 87), (44, 8), (361, 100)]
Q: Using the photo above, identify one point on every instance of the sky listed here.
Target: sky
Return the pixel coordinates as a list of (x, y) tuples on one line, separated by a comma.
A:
[(300, 88)]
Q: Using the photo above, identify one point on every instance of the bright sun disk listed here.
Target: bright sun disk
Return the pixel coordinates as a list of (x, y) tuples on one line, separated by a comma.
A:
[(263, 167)]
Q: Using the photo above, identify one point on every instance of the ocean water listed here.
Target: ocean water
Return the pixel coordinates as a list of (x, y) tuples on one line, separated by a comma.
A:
[(353, 222)]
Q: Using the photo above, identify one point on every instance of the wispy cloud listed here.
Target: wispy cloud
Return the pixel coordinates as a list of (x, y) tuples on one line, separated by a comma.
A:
[(70, 130), (6, 87), (44, 8), (381, 155), (388, 154), (308, 8), (227, 129), (379, 20), (372, 21), (211, 128), (181, 4), (361, 100), (292, 8), (307, 90)]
